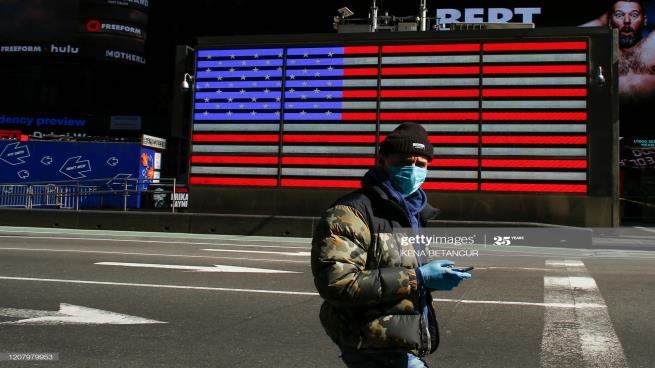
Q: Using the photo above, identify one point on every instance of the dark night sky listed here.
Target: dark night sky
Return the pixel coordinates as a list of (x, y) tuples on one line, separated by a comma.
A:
[(181, 21), (225, 17)]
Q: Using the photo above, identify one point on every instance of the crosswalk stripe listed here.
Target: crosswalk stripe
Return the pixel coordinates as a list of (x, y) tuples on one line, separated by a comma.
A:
[(578, 336)]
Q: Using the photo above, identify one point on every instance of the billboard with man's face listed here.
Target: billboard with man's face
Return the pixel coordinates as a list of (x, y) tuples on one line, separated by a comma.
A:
[(634, 20), (637, 47)]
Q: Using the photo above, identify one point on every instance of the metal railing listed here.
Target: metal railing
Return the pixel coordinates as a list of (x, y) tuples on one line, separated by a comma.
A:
[(108, 193)]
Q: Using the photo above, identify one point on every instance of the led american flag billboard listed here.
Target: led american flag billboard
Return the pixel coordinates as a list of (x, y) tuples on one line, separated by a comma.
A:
[(503, 117)]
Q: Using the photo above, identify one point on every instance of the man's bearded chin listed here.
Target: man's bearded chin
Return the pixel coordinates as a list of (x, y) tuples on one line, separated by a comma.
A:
[(629, 41)]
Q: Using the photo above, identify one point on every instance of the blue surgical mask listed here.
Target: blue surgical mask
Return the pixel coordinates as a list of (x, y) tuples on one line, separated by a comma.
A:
[(407, 179)]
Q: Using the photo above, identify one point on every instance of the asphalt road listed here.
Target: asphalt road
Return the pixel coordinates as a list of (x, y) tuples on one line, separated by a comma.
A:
[(523, 307)]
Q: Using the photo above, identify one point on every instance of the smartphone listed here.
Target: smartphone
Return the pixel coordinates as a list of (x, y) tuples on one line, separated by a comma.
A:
[(465, 269)]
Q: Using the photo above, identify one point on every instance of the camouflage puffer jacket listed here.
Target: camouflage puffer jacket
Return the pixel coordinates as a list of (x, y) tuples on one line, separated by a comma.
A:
[(368, 282)]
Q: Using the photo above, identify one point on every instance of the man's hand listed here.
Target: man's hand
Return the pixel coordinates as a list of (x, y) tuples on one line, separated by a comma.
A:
[(437, 275)]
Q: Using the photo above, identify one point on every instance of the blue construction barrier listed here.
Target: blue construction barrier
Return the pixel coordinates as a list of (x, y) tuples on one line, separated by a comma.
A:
[(74, 168)]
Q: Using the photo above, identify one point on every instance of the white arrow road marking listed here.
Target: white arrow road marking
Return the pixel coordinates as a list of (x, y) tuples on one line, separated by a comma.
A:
[(215, 268), (299, 254), (577, 337), (71, 314)]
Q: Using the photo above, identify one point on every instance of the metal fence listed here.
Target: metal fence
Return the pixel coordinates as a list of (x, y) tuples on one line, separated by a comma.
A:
[(109, 193)]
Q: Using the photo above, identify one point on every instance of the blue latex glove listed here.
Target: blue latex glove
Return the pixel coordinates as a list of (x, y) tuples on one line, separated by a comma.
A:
[(438, 275)]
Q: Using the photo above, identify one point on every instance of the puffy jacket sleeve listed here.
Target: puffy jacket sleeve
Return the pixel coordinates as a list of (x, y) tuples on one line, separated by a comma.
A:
[(339, 251)]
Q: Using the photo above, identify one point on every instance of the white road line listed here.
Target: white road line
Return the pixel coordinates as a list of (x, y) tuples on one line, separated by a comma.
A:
[(534, 252), (535, 304), (158, 286), (540, 269), (649, 230), (559, 343), (569, 252), (260, 246), (297, 254), (579, 336), (151, 234), (511, 268), (600, 344), (153, 241), (154, 254), (568, 263), (463, 301)]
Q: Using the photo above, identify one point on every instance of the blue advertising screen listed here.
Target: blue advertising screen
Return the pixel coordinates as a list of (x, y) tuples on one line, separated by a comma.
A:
[(59, 161)]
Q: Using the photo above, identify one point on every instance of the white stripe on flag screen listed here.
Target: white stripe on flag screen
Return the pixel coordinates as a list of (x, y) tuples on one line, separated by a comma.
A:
[(502, 116)]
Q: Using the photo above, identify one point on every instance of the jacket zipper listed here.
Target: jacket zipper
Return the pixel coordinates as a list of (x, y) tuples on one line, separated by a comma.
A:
[(422, 351)]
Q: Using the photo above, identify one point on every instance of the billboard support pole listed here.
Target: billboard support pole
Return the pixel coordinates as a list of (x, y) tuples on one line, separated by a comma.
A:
[(125, 197), (173, 195), (77, 196), (423, 15)]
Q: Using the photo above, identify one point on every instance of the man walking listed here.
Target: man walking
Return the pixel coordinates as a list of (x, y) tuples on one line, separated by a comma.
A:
[(378, 306)]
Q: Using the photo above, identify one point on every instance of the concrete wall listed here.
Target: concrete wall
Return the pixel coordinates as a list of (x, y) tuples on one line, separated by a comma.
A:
[(550, 208)]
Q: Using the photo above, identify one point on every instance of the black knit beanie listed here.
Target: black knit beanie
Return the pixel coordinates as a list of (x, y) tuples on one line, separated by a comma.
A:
[(408, 138)]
